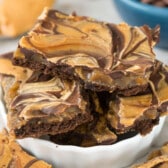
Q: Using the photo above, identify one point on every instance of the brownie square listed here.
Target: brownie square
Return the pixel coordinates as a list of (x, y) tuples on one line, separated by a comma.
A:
[(39, 104), (102, 56)]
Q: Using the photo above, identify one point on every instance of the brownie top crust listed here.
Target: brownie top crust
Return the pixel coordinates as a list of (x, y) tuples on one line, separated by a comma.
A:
[(103, 56)]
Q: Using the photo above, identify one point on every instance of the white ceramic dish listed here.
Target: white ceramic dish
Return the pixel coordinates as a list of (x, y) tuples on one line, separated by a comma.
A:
[(118, 155)]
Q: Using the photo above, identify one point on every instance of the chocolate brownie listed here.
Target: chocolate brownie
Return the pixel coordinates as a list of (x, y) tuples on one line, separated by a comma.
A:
[(13, 156), (102, 56), (40, 104)]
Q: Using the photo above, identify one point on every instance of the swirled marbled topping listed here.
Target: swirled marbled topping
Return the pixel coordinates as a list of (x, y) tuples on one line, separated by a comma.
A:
[(103, 56)]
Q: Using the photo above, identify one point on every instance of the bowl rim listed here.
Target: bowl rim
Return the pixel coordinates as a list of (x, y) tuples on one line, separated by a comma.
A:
[(145, 7)]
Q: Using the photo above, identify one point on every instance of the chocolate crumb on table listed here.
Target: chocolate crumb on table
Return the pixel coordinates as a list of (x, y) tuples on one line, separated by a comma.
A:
[(40, 105), (13, 156), (102, 56)]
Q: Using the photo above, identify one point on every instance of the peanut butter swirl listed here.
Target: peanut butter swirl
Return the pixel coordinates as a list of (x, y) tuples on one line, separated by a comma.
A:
[(103, 56), (12, 155)]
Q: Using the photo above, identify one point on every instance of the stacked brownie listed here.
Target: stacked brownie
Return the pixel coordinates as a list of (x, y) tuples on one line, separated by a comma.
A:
[(84, 82)]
